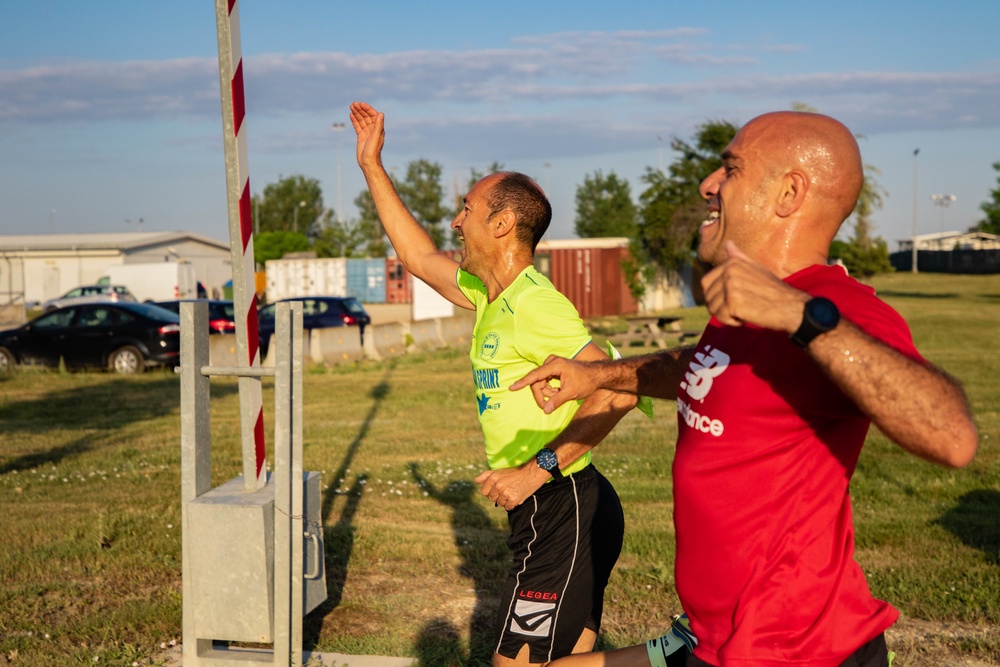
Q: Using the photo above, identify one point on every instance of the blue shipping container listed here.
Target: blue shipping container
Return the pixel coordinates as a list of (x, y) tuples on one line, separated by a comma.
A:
[(366, 280)]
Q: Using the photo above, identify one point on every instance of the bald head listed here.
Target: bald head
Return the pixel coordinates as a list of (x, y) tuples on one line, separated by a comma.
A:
[(820, 147)]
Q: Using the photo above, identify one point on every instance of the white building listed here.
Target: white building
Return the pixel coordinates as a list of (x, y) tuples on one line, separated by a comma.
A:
[(37, 267), (949, 241)]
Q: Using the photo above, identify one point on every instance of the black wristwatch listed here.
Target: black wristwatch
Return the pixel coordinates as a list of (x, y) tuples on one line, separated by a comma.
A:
[(820, 315), (549, 462)]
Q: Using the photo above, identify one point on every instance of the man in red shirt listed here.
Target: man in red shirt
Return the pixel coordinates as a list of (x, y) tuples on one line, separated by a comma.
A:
[(773, 405)]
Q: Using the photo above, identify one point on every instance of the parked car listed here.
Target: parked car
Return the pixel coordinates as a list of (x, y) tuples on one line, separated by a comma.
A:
[(90, 294), (124, 337), (318, 312), (221, 314)]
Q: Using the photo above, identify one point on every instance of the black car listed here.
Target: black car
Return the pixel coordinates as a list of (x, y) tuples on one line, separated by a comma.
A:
[(123, 337), (318, 312), (221, 314)]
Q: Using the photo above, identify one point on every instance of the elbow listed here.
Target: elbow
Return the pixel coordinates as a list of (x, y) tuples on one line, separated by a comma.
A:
[(963, 452), (617, 402), (960, 449), (624, 402)]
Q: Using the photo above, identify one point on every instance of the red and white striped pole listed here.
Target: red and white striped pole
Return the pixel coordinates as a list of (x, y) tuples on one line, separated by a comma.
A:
[(227, 19)]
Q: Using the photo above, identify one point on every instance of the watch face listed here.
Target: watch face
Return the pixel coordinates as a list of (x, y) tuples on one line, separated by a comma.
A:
[(824, 313), (547, 459)]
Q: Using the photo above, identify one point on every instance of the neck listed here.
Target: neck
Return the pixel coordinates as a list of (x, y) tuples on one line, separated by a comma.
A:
[(796, 247), (502, 272)]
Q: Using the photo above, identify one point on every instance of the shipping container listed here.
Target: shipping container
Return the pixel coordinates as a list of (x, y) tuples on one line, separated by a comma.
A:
[(589, 272), (288, 278), (366, 280), (398, 282)]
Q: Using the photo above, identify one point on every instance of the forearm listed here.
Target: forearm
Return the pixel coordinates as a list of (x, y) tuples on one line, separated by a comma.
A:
[(593, 421), (657, 375), (917, 406), (408, 238)]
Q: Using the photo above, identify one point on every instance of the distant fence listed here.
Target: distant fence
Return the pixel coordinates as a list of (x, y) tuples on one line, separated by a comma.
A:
[(948, 261)]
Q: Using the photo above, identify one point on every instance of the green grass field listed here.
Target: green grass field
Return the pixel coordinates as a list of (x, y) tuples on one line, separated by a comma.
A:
[(89, 489)]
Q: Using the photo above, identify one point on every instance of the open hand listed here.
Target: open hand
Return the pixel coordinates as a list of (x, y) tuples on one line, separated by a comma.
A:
[(369, 125)]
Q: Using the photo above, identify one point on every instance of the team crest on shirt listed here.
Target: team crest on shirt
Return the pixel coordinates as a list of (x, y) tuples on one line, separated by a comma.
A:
[(490, 346)]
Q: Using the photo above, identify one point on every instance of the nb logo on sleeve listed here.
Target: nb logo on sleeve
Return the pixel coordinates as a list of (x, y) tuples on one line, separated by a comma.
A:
[(702, 371)]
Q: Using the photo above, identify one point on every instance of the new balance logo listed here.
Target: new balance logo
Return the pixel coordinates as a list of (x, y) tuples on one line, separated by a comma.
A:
[(533, 619), (703, 369)]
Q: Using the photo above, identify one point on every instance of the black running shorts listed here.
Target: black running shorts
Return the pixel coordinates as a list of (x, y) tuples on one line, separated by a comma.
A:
[(565, 541)]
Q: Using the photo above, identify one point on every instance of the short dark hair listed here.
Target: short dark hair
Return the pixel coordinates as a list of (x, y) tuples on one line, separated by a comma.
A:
[(531, 208)]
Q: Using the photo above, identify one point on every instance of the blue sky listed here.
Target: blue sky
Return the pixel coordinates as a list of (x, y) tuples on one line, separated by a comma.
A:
[(109, 110)]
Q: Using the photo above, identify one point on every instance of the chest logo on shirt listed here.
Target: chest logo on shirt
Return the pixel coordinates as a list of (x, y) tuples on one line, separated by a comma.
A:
[(490, 346), (702, 371)]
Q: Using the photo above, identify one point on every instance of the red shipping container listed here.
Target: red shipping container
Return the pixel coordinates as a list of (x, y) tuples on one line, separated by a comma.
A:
[(589, 272), (398, 286)]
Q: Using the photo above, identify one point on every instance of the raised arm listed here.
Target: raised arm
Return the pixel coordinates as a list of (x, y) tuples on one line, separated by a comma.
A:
[(916, 405), (595, 418), (412, 243)]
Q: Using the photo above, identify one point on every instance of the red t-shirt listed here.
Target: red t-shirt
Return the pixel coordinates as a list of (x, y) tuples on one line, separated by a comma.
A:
[(766, 449)]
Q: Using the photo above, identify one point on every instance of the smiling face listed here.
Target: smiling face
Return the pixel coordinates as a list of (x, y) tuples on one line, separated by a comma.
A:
[(738, 195), (473, 226), (788, 181)]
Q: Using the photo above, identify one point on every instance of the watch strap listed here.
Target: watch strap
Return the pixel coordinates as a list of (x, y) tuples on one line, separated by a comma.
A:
[(547, 460)]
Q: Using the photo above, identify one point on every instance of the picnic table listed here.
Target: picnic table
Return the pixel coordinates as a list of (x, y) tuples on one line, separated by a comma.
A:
[(648, 330)]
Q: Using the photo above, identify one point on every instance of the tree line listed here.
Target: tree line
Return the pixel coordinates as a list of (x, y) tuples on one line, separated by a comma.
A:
[(661, 224)]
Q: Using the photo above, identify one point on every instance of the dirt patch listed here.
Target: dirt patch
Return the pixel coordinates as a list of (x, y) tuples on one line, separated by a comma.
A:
[(920, 643)]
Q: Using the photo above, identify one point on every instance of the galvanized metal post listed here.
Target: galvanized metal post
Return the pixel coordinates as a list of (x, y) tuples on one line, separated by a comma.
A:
[(196, 465), (288, 506)]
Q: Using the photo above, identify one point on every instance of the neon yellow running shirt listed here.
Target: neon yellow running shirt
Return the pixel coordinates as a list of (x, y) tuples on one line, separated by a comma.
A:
[(526, 323)]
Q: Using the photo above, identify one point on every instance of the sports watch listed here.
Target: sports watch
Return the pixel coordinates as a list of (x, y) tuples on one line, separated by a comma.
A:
[(820, 315), (549, 462)]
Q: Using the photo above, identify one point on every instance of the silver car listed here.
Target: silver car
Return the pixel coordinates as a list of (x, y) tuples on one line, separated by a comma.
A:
[(90, 294)]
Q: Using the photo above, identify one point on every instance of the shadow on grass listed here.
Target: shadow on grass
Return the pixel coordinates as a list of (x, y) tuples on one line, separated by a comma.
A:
[(103, 406), (338, 539), (482, 547), (974, 521), (895, 294)]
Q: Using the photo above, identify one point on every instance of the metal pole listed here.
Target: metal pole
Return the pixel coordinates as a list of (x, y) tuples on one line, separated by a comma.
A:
[(240, 238), (916, 151), (338, 128), (196, 461)]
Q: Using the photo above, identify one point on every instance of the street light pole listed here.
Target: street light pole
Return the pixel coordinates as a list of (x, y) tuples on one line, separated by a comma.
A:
[(914, 240), (338, 128), (943, 201), (295, 215)]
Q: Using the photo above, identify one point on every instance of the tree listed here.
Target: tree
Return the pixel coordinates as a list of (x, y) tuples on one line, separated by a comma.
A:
[(670, 208), (991, 224), (604, 207), (862, 255), (274, 245), (369, 226), (293, 204), (422, 194)]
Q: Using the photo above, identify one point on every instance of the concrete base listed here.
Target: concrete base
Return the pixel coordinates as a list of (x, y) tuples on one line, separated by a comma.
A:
[(173, 658)]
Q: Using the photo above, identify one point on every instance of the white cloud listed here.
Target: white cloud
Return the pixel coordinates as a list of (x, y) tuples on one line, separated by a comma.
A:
[(623, 80)]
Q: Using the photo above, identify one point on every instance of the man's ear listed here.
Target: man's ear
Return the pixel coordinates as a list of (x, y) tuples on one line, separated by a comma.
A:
[(792, 195), (504, 223)]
